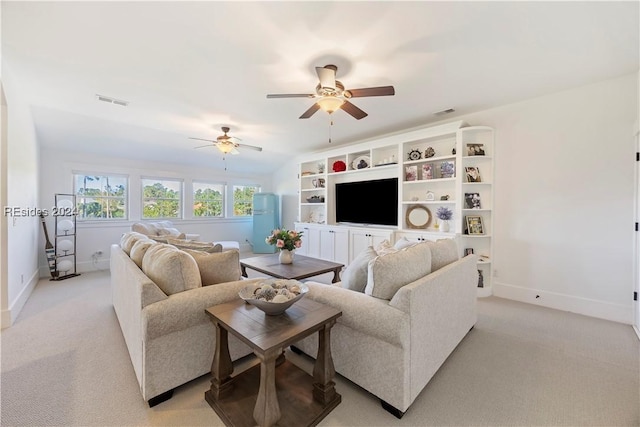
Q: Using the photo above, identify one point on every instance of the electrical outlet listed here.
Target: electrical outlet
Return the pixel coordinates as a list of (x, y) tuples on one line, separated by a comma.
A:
[(96, 254)]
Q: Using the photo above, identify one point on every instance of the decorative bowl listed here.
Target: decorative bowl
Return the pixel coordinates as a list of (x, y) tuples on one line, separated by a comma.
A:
[(315, 199), (248, 294)]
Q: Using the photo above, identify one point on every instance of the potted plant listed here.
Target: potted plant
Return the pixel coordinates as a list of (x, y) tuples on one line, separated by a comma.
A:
[(286, 241), (444, 214)]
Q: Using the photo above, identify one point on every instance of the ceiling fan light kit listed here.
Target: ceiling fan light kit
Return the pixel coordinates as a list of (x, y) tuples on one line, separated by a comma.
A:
[(332, 95)]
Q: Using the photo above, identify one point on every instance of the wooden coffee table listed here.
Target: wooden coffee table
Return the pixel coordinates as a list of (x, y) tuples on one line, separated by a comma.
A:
[(286, 394), (301, 268)]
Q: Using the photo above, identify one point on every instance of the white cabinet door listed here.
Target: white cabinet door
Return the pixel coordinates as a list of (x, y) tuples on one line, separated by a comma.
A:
[(334, 244), (310, 241), (361, 239)]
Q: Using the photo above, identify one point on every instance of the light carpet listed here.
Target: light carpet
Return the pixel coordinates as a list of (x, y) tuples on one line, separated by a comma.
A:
[(65, 363)]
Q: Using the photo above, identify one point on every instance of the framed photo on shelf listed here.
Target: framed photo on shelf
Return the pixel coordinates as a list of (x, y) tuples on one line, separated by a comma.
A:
[(473, 174), (472, 201), (427, 171), (475, 149), (447, 169), (468, 251), (411, 173), (474, 224)]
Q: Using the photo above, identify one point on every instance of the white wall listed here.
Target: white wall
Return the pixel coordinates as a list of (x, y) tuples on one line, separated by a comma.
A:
[(58, 167), (564, 198), (22, 191)]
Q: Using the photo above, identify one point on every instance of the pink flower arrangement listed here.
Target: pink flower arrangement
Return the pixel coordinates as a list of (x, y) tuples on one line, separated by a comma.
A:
[(285, 239)]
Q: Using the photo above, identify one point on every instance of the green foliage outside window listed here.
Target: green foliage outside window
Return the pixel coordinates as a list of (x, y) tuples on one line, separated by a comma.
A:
[(208, 200), (243, 200), (160, 198), (101, 197)]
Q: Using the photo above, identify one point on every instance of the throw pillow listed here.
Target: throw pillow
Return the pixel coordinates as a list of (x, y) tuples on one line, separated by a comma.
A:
[(354, 276), (388, 273), (129, 239), (194, 245), (217, 267), (385, 247), (403, 243), (173, 232), (171, 269), (443, 252), (140, 248)]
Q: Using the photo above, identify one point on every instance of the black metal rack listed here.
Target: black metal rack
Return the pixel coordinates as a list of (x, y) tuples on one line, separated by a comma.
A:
[(65, 209)]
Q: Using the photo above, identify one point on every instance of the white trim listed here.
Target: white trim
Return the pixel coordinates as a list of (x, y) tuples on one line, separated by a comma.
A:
[(10, 315), (588, 307)]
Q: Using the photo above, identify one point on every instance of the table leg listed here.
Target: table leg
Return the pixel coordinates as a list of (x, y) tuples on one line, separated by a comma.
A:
[(222, 367), (336, 275), (323, 371), (267, 410), (243, 270)]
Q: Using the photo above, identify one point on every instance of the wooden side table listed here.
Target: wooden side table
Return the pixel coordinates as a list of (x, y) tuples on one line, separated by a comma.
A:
[(286, 394)]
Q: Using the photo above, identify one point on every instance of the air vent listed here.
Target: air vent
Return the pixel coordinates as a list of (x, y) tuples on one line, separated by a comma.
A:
[(443, 112), (112, 100)]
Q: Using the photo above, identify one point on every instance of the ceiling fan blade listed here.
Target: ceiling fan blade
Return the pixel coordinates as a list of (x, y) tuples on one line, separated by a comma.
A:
[(327, 77), (372, 91), (203, 146), (353, 110), (290, 95), (315, 107), (251, 147), (200, 139)]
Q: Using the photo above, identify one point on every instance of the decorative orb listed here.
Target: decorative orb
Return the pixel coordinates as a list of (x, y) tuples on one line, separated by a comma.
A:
[(65, 246), (64, 265), (64, 226), (65, 204)]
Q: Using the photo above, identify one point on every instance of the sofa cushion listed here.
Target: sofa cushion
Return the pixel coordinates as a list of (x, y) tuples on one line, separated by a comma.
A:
[(217, 267), (139, 249), (354, 276), (443, 252), (195, 246), (171, 269), (388, 273), (129, 239)]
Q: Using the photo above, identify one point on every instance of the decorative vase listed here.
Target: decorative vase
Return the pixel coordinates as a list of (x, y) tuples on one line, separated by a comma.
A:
[(286, 256), (444, 226)]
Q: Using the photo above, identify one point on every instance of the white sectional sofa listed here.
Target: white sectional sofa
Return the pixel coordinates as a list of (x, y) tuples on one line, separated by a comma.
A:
[(160, 305), (411, 309)]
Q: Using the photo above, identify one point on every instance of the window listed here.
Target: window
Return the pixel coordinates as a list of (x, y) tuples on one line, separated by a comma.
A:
[(161, 198), (243, 199), (208, 200), (100, 196)]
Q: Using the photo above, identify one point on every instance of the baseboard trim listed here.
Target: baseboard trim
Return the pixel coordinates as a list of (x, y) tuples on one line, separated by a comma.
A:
[(635, 328), (10, 315), (588, 307)]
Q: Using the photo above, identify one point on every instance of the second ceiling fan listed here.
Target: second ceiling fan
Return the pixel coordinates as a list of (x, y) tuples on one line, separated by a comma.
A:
[(227, 144), (332, 95)]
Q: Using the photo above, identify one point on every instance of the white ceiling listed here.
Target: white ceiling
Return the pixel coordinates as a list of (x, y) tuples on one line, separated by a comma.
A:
[(187, 68)]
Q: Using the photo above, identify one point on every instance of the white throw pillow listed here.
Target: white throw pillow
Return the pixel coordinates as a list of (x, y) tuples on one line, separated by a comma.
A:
[(388, 273), (171, 269), (403, 243), (385, 247), (129, 239), (140, 248), (354, 276), (218, 267)]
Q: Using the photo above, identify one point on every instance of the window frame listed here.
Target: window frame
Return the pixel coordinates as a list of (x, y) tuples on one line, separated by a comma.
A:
[(223, 196), (180, 199), (258, 188), (107, 175)]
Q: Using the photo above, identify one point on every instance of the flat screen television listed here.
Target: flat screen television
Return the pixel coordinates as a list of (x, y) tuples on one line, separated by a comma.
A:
[(368, 202)]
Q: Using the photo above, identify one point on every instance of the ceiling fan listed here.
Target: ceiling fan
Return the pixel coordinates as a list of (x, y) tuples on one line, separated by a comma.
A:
[(227, 144), (332, 95)]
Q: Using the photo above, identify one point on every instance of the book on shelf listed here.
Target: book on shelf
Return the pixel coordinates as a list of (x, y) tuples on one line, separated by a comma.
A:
[(473, 174), (411, 173), (427, 171), (472, 201), (447, 169)]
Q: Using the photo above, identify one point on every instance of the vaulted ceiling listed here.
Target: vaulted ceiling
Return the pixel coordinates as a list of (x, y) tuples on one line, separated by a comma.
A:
[(188, 68)]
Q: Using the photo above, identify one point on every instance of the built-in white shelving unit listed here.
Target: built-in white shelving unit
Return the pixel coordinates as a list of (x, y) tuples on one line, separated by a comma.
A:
[(436, 168)]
